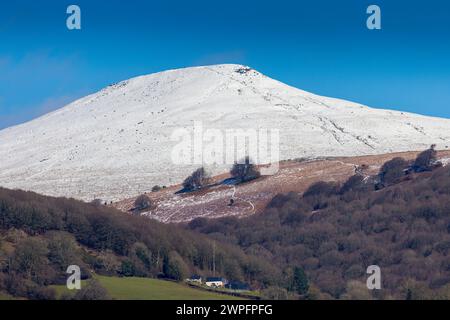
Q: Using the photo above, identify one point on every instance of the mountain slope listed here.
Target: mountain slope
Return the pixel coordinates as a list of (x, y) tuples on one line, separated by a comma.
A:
[(117, 143), (253, 197)]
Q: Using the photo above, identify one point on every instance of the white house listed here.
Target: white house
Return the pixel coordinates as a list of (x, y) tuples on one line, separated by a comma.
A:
[(216, 282)]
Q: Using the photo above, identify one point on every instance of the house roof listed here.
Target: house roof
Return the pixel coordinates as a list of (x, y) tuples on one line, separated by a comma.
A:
[(237, 285), (215, 279)]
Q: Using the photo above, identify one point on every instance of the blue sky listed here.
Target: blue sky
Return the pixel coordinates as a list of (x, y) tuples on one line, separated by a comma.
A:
[(320, 46)]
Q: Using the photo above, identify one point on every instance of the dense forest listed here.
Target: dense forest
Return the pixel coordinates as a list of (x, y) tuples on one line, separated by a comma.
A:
[(41, 236), (398, 220)]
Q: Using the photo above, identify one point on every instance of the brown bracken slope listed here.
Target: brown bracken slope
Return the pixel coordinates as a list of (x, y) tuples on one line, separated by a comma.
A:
[(250, 198)]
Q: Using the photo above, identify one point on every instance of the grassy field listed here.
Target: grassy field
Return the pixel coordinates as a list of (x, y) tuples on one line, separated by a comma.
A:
[(5, 296), (247, 294), (151, 289)]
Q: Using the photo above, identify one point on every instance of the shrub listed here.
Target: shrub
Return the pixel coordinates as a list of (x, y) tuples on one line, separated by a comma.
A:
[(156, 188), (41, 293), (274, 293), (92, 290), (142, 202)]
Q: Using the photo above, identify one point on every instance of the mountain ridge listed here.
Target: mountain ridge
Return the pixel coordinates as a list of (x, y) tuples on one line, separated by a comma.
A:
[(116, 143)]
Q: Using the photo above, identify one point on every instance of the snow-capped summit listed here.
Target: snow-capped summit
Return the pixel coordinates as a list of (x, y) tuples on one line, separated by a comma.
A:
[(116, 143)]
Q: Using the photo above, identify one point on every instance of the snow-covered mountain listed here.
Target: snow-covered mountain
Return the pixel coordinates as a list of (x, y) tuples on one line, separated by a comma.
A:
[(117, 143)]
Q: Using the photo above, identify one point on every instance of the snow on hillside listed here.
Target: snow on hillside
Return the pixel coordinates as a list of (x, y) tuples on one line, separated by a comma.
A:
[(115, 144)]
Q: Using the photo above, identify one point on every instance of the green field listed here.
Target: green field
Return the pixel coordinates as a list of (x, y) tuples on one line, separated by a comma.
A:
[(151, 289), (5, 296)]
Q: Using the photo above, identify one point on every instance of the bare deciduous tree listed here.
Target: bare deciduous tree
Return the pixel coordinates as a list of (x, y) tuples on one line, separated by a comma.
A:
[(245, 170)]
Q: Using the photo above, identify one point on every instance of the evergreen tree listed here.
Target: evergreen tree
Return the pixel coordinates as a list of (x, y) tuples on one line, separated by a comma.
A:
[(300, 281)]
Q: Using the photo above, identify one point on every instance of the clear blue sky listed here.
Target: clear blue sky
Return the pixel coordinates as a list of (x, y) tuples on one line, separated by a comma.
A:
[(319, 46)]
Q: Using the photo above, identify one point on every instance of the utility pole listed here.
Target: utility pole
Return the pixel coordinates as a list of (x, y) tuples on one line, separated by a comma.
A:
[(214, 258)]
